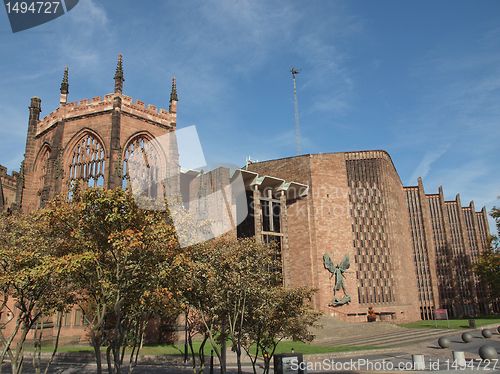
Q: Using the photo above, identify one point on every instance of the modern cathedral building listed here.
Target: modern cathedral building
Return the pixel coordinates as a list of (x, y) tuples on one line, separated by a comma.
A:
[(343, 222), (408, 252)]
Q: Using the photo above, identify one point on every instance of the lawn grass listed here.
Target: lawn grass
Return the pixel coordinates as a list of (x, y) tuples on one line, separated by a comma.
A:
[(160, 350), (454, 323), (178, 350)]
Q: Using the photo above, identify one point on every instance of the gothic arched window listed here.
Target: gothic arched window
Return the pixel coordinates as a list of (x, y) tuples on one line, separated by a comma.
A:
[(41, 167), (144, 167), (88, 162)]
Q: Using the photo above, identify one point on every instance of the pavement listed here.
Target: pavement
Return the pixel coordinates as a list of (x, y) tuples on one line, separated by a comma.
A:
[(400, 346)]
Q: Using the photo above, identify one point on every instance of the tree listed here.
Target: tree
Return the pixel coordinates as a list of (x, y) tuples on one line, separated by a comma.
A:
[(280, 313), (372, 317), (234, 286), (123, 264), (33, 286), (223, 275), (488, 264), (195, 326)]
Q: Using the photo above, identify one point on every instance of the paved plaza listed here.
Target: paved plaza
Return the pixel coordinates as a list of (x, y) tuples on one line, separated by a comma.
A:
[(400, 345)]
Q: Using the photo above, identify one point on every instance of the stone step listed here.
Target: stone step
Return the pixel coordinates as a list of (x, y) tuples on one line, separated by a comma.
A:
[(389, 340), (355, 329), (336, 332), (349, 335)]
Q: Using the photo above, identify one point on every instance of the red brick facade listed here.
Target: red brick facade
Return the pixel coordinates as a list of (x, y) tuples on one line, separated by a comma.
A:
[(10, 189), (357, 205), (90, 140), (447, 238)]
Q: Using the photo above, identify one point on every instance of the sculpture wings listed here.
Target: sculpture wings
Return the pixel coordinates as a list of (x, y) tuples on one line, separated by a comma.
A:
[(329, 263), (344, 265), (338, 271)]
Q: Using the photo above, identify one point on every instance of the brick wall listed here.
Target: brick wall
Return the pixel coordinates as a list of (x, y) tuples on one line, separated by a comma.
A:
[(9, 188), (113, 122), (325, 222)]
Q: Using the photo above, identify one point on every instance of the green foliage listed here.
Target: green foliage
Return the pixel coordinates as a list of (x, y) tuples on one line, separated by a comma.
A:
[(223, 275), (121, 265), (280, 313), (121, 261), (488, 264), (233, 285), (372, 317), (31, 284)]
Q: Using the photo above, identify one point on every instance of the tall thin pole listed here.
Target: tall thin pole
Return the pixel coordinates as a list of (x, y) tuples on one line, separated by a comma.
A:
[(297, 127), (186, 338)]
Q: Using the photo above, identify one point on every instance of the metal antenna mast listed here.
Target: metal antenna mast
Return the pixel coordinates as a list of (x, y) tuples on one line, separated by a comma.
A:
[(297, 128)]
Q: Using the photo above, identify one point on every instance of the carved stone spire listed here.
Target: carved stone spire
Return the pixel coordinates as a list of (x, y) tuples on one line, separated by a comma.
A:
[(64, 88), (64, 84), (119, 76), (173, 94), (173, 98)]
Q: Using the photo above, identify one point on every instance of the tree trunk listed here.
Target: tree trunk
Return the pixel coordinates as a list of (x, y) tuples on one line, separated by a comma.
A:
[(55, 345), (37, 354), (108, 360), (190, 343), (223, 348), (96, 344), (117, 335), (7, 343), (201, 353), (18, 361)]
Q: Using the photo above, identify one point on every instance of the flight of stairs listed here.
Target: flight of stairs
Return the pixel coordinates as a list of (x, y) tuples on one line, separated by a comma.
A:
[(336, 332)]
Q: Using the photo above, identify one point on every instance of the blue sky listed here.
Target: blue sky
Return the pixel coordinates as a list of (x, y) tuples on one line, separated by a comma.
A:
[(419, 79)]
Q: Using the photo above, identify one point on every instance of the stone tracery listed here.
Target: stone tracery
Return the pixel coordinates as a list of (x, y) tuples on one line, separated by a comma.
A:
[(142, 156), (88, 161)]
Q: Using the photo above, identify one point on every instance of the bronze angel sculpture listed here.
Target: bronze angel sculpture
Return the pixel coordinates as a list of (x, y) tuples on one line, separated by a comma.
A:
[(338, 271)]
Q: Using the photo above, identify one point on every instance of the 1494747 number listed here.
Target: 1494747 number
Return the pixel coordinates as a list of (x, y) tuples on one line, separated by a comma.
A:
[(33, 7)]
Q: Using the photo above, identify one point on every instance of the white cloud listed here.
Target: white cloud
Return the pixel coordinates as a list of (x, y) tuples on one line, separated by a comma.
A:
[(89, 13), (338, 103), (425, 165), (84, 47)]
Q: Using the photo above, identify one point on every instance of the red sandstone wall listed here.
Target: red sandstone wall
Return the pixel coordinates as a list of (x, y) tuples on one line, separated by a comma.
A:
[(9, 187), (322, 223), (332, 230), (299, 225), (62, 129), (405, 281)]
